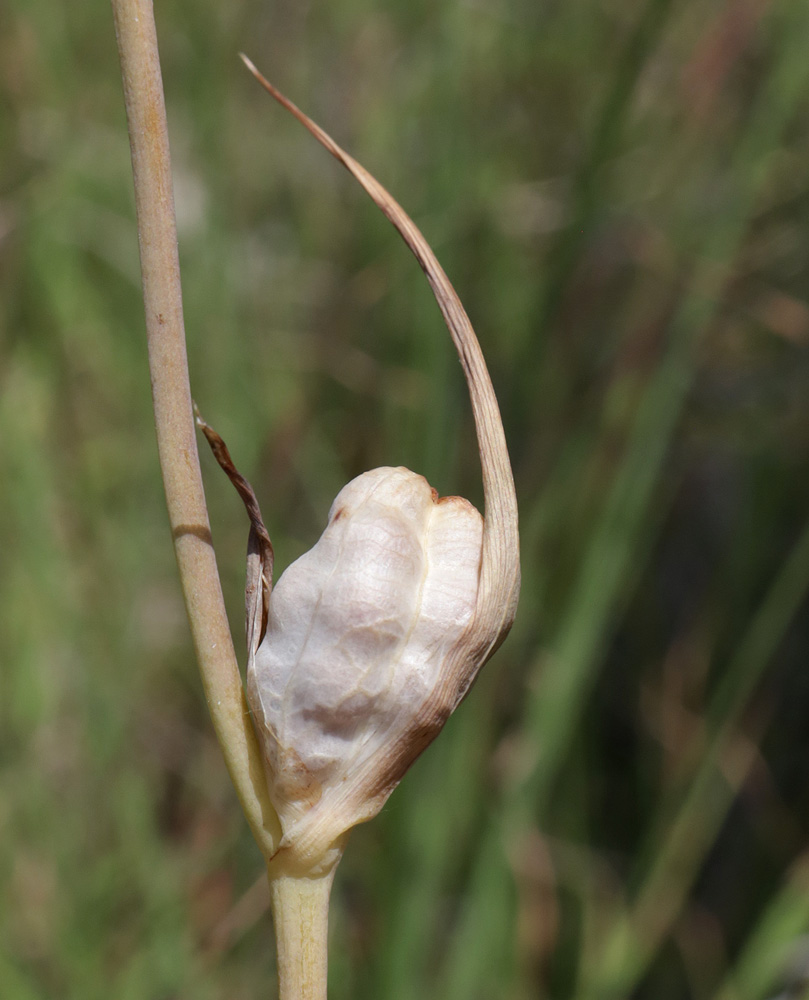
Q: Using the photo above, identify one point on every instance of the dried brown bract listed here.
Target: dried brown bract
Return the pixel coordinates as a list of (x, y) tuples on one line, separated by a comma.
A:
[(372, 638)]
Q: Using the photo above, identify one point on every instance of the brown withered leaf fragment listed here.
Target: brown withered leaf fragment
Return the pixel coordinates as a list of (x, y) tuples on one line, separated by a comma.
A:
[(260, 556)]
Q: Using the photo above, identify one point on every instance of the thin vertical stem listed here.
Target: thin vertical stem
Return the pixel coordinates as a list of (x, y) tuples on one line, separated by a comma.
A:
[(176, 441), (300, 908)]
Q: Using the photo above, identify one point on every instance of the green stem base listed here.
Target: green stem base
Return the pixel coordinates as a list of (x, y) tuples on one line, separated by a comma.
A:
[(300, 909)]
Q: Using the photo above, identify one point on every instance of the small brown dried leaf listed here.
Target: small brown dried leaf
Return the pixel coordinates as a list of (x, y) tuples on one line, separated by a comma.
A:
[(260, 556)]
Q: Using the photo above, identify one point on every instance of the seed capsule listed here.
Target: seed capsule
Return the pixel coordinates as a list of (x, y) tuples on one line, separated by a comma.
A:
[(358, 631)]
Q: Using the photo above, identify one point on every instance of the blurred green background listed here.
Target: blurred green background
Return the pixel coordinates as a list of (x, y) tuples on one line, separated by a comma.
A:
[(620, 193)]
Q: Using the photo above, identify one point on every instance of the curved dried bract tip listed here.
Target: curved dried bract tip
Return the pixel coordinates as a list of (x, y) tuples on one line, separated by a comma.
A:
[(337, 739), (260, 556)]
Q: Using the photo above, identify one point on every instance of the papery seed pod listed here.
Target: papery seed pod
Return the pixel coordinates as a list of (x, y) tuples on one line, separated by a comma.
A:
[(358, 632), (371, 639)]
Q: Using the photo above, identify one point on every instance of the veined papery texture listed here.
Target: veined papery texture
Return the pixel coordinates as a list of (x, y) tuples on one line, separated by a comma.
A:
[(357, 632)]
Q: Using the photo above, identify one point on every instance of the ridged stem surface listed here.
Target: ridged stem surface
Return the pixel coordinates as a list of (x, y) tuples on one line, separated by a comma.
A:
[(300, 908), (176, 440)]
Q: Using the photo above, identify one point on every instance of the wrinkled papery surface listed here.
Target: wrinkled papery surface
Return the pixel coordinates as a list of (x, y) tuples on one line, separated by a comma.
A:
[(358, 628)]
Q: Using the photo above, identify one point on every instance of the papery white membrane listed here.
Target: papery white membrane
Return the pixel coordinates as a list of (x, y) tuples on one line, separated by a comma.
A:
[(357, 632)]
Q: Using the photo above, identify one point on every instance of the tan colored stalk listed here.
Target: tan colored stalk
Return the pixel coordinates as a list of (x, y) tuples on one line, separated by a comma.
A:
[(300, 912), (176, 441)]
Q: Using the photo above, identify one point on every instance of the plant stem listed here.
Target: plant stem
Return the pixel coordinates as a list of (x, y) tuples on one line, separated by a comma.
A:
[(300, 909), (176, 440)]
